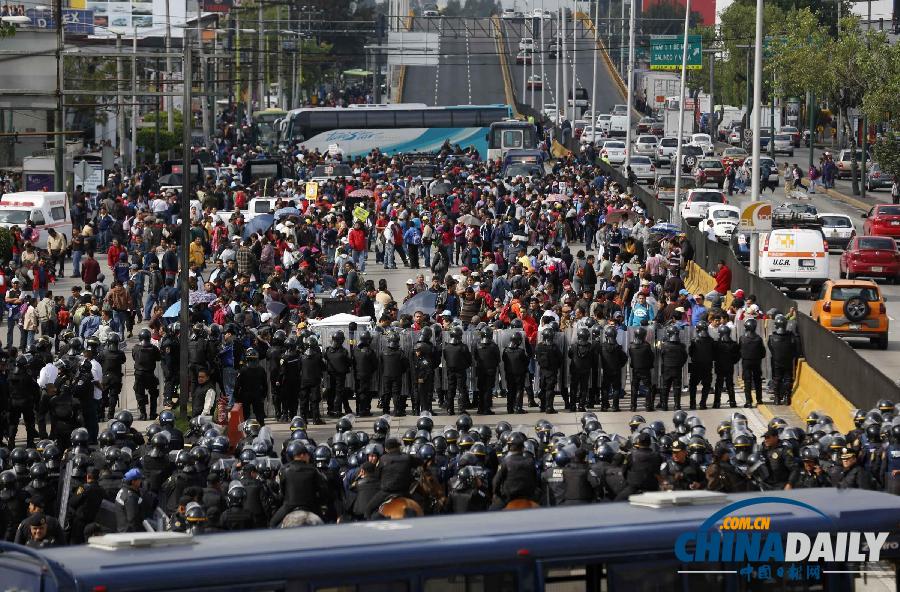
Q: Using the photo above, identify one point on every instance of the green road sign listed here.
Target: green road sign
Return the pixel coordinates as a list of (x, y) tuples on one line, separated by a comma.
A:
[(665, 52)]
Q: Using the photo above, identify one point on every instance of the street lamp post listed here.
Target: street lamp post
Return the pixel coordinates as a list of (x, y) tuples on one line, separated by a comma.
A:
[(676, 213), (631, 81), (755, 125)]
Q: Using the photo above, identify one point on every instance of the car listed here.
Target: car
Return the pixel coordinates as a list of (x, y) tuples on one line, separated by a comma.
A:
[(614, 151), (646, 145), (523, 58), (665, 150), (430, 13), (794, 257), (871, 256), (853, 308), (844, 163), (784, 144), (734, 156), (690, 155), (665, 188), (541, 14), (793, 132), (876, 178), (796, 210), (725, 219), (736, 135), (643, 168), (698, 201), (620, 110), (658, 129), (883, 220), (764, 161), (705, 142), (838, 229), (591, 133), (709, 170), (603, 121), (643, 126), (535, 81), (508, 14), (554, 48), (526, 44), (590, 115)]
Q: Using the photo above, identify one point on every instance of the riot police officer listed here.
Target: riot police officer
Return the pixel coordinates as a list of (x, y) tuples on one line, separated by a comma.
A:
[(784, 350), (365, 370), (891, 462), (423, 375), (727, 354), (112, 360), (394, 367), (516, 477), (642, 359), (549, 360), (274, 357), (553, 489), (486, 356), (170, 348), (674, 355), (853, 475), (250, 387), (312, 367), (576, 478), (583, 361), (779, 460), (458, 360), (809, 474), (612, 359), (722, 475), (681, 472), (23, 394), (642, 468), (395, 472), (303, 487), (61, 405), (702, 353), (145, 356), (515, 371), (201, 354), (753, 352), (338, 363), (289, 380)]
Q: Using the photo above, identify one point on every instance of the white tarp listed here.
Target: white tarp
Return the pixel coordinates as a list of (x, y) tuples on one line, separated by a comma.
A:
[(341, 320)]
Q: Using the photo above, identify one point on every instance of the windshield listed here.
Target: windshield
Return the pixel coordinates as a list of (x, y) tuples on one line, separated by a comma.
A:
[(835, 222), (877, 243), (668, 182), (617, 145), (669, 142), (889, 210), (13, 216), (525, 170), (783, 138), (722, 214), (710, 164), (710, 196), (848, 292)]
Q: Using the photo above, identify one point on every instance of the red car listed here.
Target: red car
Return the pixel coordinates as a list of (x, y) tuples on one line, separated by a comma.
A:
[(871, 256), (883, 220)]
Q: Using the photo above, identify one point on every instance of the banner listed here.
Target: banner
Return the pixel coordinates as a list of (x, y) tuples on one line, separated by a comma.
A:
[(217, 5), (360, 213)]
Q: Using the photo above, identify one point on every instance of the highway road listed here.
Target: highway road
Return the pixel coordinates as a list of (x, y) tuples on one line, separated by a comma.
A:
[(468, 72)]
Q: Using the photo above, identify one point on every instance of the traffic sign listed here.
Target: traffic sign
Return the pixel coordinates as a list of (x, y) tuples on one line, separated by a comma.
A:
[(666, 50), (757, 217)]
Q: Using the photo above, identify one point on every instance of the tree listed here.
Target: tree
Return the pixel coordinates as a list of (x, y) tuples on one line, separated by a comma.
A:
[(886, 152), (807, 58)]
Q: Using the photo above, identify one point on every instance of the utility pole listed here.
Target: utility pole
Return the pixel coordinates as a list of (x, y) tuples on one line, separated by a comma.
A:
[(135, 110), (59, 140), (574, 58), (754, 125), (564, 66), (622, 39), (261, 50), (676, 210), (594, 52), (631, 82), (184, 316), (811, 123), (202, 63), (170, 101), (713, 124), (380, 22), (120, 111), (560, 98), (543, 49)]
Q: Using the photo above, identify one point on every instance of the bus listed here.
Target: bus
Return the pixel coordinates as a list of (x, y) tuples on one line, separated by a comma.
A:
[(265, 130), (510, 134), (647, 544), (264, 172)]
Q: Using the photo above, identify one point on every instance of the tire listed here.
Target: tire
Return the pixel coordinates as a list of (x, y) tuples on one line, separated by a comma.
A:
[(856, 309), (882, 341), (842, 274), (689, 161)]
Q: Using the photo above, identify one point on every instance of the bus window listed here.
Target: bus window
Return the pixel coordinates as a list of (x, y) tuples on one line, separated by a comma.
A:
[(488, 582), (573, 578), (512, 139), (657, 574), (58, 213), (367, 587), (496, 135)]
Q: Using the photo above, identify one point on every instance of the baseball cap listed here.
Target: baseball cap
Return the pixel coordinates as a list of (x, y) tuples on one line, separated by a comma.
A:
[(683, 292), (410, 282), (738, 293), (133, 474), (446, 313)]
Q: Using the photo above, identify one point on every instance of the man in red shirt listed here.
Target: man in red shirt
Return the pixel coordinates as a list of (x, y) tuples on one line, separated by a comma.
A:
[(723, 280), (90, 270), (112, 255)]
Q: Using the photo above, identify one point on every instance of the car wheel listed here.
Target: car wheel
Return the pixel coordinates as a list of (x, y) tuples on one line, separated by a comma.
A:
[(881, 342), (849, 275), (842, 274)]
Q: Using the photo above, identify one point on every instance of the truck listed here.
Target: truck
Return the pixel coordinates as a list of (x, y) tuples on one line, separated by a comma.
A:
[(656, 86), (670, 118)]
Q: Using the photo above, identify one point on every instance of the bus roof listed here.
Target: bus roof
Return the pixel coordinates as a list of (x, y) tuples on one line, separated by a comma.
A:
[(603, 530)]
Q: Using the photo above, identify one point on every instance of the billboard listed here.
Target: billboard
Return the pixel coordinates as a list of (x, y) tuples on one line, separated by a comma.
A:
[(75, 22)]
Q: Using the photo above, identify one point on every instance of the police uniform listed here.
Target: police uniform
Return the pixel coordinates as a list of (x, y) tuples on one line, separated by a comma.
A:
[(641, 471), (780, 462), (486, 355), (289, 386), (612, 359), (169, 354), (642, 358), (250, 388), (423, 371), (578, 489), (516, 478), (583, 361), (549, 359), (515, 369), (674, 355), (458, 359), (338, 362), (111, 362), (394, 366), (783, 347), (274, 357), (23, 393), (753, 351), (365, 365), (727, 354), (702, 352), (553, 488), (146, 356), (303, 487)]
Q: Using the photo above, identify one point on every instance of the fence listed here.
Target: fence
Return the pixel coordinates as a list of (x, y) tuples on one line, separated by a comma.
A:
[(857, 379)]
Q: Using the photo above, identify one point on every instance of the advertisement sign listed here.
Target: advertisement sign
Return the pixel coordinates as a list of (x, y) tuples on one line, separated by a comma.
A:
[(757, 217), (360, 213), (75, 22), (217, 5)]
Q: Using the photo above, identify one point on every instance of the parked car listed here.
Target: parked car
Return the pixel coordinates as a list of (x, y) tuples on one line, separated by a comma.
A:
[(709, 170), (838, 229), (876, 178), (733, 156), (643, 168), (698, 201), (882, 220), (646, 145), (871, 256), (844, 163), (784, 144), (853, 308), (725, 219)]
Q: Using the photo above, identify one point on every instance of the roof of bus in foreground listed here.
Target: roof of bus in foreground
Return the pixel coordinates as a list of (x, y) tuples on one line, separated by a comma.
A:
[(626, 531), (400, 107)]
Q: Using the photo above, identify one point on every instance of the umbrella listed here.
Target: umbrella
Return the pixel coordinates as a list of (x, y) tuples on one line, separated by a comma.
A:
[(362, 193), (439, 189), (285, 212), (258, 224), (555, 197), (171, 179), (200, 297), (275, 307), (173, 311), (423, 301), (618, 216), (469, 220), (665, 228)]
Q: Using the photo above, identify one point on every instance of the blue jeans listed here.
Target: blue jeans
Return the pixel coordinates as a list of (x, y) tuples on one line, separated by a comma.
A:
[(359, 260), (148, 306), (229, 377), (121, 321), (76, 263), (10, 325), (389, 255), (426, 255)]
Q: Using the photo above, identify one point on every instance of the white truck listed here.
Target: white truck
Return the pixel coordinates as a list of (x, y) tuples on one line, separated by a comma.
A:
[(656, 86)]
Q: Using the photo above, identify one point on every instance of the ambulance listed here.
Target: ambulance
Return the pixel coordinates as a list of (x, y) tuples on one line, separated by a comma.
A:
[(794, 258), (47, 209)]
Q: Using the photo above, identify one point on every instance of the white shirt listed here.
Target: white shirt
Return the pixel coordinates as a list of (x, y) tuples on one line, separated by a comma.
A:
[(97, 376), (48, 375)]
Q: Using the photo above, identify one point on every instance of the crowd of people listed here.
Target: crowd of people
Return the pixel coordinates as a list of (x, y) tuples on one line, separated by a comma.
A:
[(529, 315)]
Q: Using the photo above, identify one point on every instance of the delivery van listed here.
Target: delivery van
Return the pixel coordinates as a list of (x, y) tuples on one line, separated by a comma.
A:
[(794, 258), (47, 209)]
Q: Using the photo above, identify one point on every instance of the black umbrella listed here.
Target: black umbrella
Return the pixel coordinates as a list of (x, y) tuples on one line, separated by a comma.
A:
[(171, 179), (439, 189)]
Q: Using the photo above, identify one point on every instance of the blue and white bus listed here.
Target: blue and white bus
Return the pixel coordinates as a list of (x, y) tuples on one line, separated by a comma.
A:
[(651, 544)]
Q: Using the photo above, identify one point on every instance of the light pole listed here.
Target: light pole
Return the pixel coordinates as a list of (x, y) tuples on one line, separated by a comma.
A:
[(594, 53), (574, 58), (676, 210), (543, 49), (631, 81), (297, 55), (560, 105), (755, 125)]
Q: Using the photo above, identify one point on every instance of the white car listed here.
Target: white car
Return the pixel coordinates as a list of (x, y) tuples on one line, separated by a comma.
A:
[(725, 219), (526, 44), (431, 13), (541, 14), (620, 110), (705, 142), (838, 229), (643, 168), (734, 137), (590, 115), (603, 122), (614, 151), (666, 149), (508, 14), (591, 133), (646, 145), (698, 201)]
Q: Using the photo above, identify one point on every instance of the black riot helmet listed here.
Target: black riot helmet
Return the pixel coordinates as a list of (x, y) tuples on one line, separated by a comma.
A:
[(750, 325), (597, 332), (393, 341), (425, 423), (672, 335), (584, 335), (464, 422), (455, 335), (873, 433), (487, 336), (702, 328), (112, 341), (167, 419), (279, 337), (75, 346), (125, 417), (144, 336), (425, 335), (516, 340), (381, 427), (610, 333), (365, 338), (547, 334), (780, 324), (809, 453), (640, 334), (344, 425), (337, 339), (235, 497), (724, 333)]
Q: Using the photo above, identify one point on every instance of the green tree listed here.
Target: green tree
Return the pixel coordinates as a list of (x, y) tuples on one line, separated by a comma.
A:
[(807, 58), (886, 152), (146, 136)]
